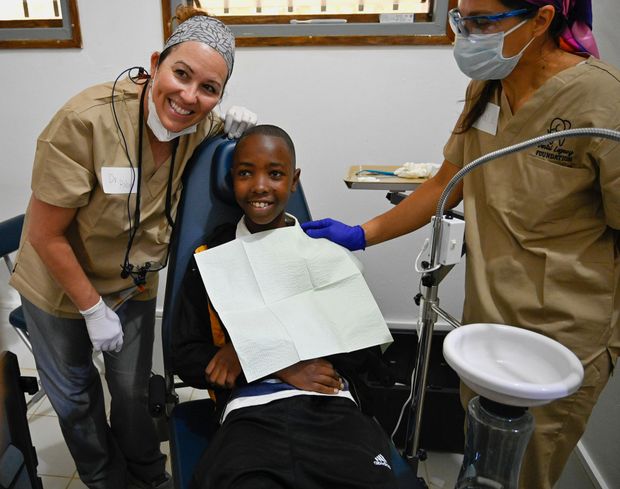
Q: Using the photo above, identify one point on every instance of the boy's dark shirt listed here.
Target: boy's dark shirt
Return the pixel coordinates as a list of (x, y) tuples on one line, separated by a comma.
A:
[(193, 342)]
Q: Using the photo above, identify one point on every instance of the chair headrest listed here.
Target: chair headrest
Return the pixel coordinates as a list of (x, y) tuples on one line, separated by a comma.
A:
[(222, 179)]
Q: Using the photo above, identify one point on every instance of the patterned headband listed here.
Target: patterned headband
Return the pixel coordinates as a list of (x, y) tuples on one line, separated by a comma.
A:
[(209, 31), (577, 37)]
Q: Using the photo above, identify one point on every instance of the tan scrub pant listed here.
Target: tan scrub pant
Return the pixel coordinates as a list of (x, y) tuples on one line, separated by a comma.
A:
[(558, 427)]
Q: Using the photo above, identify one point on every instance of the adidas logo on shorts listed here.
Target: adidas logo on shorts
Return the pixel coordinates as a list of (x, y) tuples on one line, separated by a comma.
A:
[(380, 460)]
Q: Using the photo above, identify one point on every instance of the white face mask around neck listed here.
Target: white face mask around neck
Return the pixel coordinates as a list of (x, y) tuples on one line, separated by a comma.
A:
[(154, 122), (479, 56)]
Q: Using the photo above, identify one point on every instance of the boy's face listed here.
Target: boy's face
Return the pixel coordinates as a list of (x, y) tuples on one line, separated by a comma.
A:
[(263, 179)]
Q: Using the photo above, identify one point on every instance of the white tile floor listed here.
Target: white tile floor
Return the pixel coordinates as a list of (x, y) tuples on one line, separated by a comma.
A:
[(57, 469)]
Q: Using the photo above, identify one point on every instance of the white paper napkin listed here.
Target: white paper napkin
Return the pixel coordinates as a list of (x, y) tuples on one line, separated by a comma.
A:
[(285, 297)]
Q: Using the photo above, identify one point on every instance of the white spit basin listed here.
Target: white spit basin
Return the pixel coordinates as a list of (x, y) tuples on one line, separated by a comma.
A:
[(512, 365)]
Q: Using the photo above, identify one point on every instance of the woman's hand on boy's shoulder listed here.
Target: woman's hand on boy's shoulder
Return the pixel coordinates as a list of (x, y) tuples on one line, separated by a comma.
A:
[(316, 375), (224, 367)]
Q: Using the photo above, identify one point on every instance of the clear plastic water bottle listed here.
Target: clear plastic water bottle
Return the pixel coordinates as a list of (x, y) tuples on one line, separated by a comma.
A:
[(497, 436)]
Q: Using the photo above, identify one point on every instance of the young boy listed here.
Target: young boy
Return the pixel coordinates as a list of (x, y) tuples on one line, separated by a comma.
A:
[(301, 427)]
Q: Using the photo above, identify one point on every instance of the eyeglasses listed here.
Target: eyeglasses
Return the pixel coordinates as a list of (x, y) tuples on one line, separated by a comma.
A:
[(479, 24)]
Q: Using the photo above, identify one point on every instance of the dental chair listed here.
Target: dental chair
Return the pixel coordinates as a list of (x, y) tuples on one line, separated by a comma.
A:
[(207, 201), (18, 457)]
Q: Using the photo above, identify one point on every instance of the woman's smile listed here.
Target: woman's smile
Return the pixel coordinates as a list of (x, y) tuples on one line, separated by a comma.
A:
[(178, 109)]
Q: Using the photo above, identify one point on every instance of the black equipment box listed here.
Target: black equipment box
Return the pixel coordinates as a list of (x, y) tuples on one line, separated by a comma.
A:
[(442, 417)]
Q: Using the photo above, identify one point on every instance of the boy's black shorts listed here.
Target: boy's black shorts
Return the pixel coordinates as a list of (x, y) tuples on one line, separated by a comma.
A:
[(302, 442)]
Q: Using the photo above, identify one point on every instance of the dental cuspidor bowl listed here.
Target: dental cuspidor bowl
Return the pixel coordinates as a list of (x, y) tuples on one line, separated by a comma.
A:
[(512, 365)]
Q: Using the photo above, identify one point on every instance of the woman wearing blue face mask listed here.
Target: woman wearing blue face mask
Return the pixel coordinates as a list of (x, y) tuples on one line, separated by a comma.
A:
[(105, 187), (543, 224)]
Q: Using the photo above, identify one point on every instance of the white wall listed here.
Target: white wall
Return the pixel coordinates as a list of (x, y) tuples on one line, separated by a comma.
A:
[(342, 106)]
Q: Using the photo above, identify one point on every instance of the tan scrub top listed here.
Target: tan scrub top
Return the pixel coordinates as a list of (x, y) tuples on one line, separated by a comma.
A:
[(542, 224), (80, 140)]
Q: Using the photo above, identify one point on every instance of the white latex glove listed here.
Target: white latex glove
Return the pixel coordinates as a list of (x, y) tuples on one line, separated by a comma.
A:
[(237, 120), (104, 327), (417, 170)]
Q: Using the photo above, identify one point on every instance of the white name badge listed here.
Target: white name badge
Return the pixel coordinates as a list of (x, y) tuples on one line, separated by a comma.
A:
[(489, 119), (118, 180)]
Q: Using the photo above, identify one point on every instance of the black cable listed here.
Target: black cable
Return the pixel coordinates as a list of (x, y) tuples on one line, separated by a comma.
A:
[(127, 268), (142, 75), (169, 187), (138, 273)]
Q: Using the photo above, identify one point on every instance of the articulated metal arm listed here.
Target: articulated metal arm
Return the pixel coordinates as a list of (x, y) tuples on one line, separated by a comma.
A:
[(430, 280)]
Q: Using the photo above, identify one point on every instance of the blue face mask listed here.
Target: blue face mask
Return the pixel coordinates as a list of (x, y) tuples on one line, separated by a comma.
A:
[(479, 56)]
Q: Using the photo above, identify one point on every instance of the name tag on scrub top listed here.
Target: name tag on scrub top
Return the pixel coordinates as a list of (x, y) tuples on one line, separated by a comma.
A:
[(489, 119), (118, 180)]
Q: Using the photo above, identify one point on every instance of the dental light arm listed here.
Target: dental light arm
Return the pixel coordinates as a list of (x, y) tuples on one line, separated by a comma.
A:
[(569, 133), (435, 271)]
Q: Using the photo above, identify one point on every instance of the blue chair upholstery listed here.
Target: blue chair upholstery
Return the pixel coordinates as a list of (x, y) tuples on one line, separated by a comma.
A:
[(10, 233), (191, 428), (207, 201), (18, 456), (17, 320)]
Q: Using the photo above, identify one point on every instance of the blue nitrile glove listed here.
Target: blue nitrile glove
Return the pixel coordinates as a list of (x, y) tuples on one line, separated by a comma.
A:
[(351, 237)]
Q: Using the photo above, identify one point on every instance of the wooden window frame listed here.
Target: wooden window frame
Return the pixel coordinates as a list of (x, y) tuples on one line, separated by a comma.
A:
[(38, 34), (263, 31)]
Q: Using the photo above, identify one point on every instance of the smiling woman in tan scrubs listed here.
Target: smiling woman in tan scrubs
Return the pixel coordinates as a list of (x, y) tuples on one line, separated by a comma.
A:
[(105, 186), (543, 224)]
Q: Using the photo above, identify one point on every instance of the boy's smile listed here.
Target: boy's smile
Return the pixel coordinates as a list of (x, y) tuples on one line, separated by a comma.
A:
[(263, 178)]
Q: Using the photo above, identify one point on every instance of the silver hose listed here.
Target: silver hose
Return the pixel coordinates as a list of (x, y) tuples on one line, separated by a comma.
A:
[(569, 133)]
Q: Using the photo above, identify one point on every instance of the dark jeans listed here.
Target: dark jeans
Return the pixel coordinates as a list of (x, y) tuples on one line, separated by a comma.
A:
[(63, 352)]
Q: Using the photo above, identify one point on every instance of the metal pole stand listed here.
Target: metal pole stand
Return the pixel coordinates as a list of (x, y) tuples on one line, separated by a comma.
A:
[(429, 301), (429, 311)]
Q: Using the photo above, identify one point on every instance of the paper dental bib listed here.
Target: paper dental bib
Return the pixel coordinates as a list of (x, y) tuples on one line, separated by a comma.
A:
[(285, 297)]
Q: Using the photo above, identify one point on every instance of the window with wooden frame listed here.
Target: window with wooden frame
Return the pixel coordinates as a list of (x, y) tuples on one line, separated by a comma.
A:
[(39, 24), (326, 22)]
